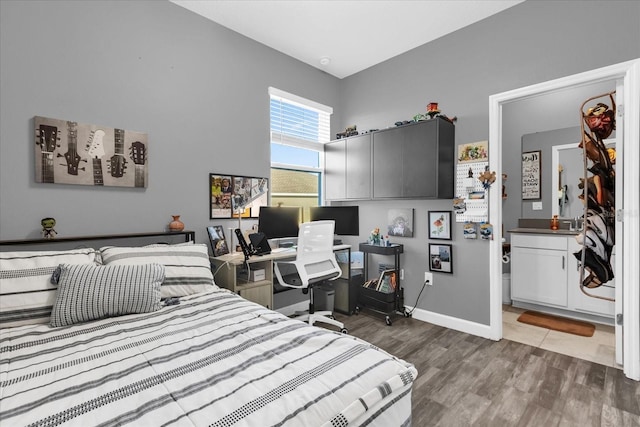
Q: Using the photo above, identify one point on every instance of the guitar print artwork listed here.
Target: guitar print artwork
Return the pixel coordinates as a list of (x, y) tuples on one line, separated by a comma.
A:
[(47, 140), (117, 163), (138, 154), (95, 147), (106, 150), (71, 156)]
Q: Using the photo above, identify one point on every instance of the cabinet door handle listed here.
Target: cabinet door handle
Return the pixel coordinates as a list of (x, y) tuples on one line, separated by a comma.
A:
[(563, 262)]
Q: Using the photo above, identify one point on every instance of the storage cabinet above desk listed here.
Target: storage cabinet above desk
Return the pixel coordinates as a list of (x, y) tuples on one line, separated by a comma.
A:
[(410, 161), (414, 161), (348, 168)]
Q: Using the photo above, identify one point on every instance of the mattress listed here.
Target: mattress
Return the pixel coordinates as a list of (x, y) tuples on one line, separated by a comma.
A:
[(214, 359)]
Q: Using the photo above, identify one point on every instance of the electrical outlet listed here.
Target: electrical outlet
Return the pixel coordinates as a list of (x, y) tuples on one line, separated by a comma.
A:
[(402, 274), (428, 278)]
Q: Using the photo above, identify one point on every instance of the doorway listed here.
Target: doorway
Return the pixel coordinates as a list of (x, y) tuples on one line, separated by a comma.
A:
[(627, 75)]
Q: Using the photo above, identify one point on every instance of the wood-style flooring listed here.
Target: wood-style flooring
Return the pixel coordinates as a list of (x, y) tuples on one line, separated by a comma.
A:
[(464, 380)]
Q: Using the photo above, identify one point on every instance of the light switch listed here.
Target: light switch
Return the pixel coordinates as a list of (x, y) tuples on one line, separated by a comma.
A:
[(536, 206)]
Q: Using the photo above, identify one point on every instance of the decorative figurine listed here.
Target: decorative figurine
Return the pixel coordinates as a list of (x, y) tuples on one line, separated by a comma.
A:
[(47, 228)]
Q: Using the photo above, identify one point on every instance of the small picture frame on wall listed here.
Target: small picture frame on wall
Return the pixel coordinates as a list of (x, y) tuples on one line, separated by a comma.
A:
[(531, 162), (440, 258), (440, 225)]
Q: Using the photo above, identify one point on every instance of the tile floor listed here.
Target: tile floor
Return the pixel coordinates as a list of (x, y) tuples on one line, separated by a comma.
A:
[(600, 348)]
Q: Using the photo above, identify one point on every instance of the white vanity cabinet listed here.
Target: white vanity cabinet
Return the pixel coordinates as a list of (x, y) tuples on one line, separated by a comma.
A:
[(539, 269), (545, 272)]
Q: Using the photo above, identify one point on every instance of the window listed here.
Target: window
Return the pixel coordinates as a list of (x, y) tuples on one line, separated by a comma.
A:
[(299, 130)]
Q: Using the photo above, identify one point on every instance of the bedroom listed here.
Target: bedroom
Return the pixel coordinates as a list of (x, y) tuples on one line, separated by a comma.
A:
[(195, 88)]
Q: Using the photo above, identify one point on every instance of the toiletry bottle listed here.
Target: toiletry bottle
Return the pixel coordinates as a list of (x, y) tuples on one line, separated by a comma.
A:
[(554, 222)]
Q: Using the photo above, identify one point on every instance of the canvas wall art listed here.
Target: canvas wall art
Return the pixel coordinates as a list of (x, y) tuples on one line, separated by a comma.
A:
[(68, 152)]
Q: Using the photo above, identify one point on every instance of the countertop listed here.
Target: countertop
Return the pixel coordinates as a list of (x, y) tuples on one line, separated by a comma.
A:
[(544, 231)]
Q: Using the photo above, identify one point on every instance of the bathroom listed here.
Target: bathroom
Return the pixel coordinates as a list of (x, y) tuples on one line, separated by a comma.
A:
[(545, 274)]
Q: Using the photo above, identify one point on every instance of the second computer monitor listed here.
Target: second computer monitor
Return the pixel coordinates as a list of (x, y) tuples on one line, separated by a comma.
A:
[(346, 218)]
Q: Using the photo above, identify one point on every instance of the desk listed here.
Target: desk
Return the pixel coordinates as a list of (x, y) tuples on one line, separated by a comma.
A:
[(228, 273)]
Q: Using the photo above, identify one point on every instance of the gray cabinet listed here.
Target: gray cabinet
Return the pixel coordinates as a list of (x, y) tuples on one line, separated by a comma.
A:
[(414, 161), (335, 170), (410, 161), (348, 168)]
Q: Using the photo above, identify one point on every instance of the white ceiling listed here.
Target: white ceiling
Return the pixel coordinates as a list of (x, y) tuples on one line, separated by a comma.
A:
[(353, 35)]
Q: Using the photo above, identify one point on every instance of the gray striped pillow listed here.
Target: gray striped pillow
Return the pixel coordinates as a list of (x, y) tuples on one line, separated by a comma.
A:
[(26, 291), (87, 292), (187, 267)]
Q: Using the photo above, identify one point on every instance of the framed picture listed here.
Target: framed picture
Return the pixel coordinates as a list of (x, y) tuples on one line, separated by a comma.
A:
[(95, 154), (474, 152), (440, 225), (218, 242), (440, 258), (531, 161), (400, 222), (231, 196)]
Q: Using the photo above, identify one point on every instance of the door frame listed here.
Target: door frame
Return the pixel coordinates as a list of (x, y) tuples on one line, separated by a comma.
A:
[(628, 209)]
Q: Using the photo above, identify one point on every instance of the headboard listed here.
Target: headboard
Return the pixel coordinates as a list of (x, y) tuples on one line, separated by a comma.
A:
[(130, 239)]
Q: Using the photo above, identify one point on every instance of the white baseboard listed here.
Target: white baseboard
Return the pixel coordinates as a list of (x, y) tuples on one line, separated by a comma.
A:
[(291, 309), (461, 325)]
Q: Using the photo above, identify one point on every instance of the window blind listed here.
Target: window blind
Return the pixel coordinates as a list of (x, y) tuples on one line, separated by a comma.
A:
[(297, 121)]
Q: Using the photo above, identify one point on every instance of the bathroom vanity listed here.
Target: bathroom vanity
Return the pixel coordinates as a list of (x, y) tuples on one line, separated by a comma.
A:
[(545, 276)]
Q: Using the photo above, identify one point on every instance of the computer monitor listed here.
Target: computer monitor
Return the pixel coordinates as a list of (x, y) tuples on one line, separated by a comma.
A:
[(346, 218), (279, 222)]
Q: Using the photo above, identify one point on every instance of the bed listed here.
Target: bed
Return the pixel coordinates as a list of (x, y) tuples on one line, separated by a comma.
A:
[(166, 347)]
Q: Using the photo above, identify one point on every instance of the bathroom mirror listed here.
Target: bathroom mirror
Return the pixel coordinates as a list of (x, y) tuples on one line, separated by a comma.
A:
[(567, 162), (553, 113)]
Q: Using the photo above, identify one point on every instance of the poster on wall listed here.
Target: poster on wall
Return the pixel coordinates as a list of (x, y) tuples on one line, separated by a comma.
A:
[(531, 161), (68, 152), (231, 196)]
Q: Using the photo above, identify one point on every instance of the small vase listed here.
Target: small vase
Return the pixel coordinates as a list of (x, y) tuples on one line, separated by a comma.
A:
[(176, 224)]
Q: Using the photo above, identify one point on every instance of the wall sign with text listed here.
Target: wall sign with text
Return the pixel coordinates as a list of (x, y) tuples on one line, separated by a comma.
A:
[(531, 175)]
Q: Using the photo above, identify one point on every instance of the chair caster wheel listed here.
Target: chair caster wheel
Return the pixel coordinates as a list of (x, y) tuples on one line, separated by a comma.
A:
[(344, 331), (388, 320), (357, 310), (331, 316), (407, 314)]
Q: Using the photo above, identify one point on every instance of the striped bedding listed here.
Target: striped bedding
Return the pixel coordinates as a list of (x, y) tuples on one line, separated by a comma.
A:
[(214, 359)]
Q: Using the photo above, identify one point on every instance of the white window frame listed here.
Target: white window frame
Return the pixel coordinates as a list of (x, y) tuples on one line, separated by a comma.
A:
[(299, 143)]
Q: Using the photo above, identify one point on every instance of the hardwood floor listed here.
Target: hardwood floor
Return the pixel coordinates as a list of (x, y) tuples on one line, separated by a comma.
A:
[(465, 380)]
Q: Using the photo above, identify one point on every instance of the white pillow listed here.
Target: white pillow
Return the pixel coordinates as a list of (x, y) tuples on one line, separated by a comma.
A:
[(89, 292), (26, 291), (187, 267)]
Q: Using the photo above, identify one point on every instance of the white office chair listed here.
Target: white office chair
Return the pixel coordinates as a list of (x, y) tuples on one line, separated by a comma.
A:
[(315, 262)]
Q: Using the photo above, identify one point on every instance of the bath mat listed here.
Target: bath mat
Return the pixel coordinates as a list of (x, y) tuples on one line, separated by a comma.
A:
[(557, 323)]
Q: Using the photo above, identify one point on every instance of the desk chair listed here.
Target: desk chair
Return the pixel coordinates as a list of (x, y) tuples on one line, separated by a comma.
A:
[(315, 263)]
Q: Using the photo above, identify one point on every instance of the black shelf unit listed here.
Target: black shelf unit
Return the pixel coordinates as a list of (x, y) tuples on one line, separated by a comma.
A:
[(387, 304)]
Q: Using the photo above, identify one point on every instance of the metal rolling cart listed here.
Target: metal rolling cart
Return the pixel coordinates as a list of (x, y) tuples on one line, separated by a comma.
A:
[(387, 304)]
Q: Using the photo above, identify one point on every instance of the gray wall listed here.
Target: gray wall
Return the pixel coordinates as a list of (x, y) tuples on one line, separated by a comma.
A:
[(532, 42), (200, 91)]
